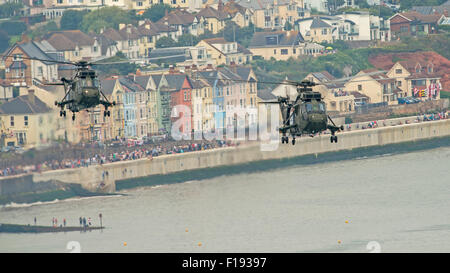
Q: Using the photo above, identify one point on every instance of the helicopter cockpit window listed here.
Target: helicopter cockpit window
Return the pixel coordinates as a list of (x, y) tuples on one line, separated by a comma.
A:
[(89, 82), (315, 107)]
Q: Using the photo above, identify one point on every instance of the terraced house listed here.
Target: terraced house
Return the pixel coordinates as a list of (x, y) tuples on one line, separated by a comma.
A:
[(75, 45), (29, 120), (21, 71)]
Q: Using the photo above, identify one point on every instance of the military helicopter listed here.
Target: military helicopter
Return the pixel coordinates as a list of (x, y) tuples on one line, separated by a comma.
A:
[(306, 114), (83, 92)]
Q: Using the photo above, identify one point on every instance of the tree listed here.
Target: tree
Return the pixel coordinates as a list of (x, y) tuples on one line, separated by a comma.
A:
[(362, 4), (44, 29), (4, 38), (119, 68), (10, 9), (187, 40), (13, 28), (156, 12), (72, 19), (107, 17), (381, 11), (287, 26), (233, 33), (165, 42)]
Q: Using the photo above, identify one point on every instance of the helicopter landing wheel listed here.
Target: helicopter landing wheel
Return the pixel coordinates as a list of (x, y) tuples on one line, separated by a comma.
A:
[(73, 117), (61, 113), (293, 141), (109, 113), (333, 139), (64, 113)]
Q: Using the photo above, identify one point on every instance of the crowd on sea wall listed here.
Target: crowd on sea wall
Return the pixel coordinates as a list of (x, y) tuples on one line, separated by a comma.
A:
[(108, 155)]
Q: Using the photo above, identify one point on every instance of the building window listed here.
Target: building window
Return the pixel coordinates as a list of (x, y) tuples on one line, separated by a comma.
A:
[(284, 52), (399, 83), (398, 71), (25, 120), (12, 121), (359, 87), (274, 51)]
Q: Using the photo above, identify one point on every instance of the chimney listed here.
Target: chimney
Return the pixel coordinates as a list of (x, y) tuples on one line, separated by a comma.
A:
[(31, 96), (131, 77), (138, 72), (171, 69)]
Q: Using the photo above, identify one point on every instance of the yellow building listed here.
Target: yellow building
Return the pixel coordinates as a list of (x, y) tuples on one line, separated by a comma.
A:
[(333, 92), (113, 90), (412, 75), (376, 85), (29, 120), (319, 32), (215, 20), (280, 45), (275, 14), (224, 52), (150, 84)]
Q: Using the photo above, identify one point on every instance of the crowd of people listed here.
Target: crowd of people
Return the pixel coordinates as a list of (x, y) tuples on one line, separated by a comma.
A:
[(127, 153)]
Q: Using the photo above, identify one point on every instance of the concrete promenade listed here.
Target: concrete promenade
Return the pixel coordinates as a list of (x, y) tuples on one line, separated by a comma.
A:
[(90, 178)]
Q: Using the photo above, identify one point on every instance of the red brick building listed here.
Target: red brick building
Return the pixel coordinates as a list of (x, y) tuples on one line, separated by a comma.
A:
[(412, 23)]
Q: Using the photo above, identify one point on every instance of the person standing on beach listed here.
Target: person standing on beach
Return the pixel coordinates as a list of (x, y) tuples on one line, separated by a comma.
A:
[(35, 220), (64, 221), (81, 221)]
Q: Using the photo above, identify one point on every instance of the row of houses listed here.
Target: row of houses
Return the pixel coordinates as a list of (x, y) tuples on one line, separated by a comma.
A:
[(146, 104), (406, 78)]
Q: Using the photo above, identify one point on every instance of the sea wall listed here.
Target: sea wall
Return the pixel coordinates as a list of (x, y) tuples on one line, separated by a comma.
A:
[(91, 178)]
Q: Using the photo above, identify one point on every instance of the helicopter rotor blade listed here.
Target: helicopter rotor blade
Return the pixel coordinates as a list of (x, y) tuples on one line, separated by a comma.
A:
[(37, 59)]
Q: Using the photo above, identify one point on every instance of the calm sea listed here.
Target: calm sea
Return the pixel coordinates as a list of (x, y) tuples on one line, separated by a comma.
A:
[(395, 202)]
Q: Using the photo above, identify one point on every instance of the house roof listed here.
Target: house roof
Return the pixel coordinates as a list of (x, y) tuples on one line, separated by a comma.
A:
[(105, 43), (33, 51), (172, 54), (178, 17), (212, 41), (379, 77), (210, 12), (265, 94), (129, 32), (175, 81), (23, 105), (108, 85), (418, 17), (261, 4), (129, 85), (142, 80), (69, 39), (358, 95), (112, 34), (276, 38), (149, 28), (323, 76), (319, 23)]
